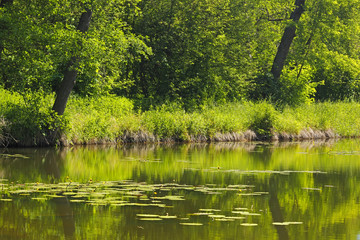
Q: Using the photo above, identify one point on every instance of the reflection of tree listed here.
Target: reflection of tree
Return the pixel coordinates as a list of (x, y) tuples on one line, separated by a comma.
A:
[(32, 165), (63, 208), (263, 154), (275, 209)]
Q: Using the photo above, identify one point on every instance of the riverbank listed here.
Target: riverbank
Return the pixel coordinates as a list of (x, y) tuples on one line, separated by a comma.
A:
[(27, 120)]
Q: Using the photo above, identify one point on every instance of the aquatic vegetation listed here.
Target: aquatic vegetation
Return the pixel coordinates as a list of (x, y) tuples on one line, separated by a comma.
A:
[(126, 194)]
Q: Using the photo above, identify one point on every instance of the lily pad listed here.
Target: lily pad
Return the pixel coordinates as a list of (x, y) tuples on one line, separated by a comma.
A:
[(209, 210), (294, 223), (224, 219), (77, 200), (6, 200), (201, 214), (217, 216), (39, 198), (280, 223), (235, 217), (147, 215), (249, 224), (191, 224), (150, 219), (168, 217)]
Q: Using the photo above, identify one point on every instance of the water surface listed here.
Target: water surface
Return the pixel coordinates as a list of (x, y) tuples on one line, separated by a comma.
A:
[(307, 190)]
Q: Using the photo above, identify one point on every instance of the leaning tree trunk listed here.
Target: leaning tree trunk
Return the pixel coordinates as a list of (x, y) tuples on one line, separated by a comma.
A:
[(286, 40), (69, 80)]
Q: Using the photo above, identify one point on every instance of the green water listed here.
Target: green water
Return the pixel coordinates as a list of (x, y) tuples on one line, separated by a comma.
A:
[(306, 190)]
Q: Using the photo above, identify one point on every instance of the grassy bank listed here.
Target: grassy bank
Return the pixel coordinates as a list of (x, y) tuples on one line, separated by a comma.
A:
[(28, 120)]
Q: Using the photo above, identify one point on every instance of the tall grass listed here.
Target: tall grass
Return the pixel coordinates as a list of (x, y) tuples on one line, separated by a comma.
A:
[(27, 119)]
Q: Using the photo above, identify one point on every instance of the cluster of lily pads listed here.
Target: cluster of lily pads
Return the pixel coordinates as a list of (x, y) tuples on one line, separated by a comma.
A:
[(129, 193), (118, 193), (210, 214)]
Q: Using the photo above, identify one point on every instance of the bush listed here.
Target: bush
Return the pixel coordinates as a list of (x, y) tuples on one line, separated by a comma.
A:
[(263, 118), (30, 118)]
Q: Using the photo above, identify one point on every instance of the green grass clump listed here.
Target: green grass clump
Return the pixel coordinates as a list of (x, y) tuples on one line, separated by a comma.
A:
[(99, 119), (340, 117)]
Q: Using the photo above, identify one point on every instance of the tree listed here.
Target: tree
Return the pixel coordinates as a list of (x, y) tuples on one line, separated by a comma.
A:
[(45, 43), (68, 82), (203, 51), (287, 39)]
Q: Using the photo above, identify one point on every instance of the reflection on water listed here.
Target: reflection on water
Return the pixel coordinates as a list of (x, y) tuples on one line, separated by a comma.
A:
[(306, 190)]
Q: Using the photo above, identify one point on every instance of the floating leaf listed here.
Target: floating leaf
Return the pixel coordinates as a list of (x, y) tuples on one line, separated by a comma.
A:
[(241, 209), (249, 224), (39, 198), (235, 218), (191, 224), (251, 214), (6, 199), (209, 210), (69, 193), (201, 214), (77, 200), (168, 217), (294, 223), (147, 215), (312, 189), (224, 219), (217, 216), (174, 198), (53, 196), (150, 219), (280, 223)]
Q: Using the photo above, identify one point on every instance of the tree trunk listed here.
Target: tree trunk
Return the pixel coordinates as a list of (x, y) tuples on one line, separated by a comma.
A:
[(69, 80), (286, 40)]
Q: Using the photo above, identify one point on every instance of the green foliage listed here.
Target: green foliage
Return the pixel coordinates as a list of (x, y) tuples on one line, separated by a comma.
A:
[(263, 118), (340, 75), (204, 52), (195, 53), (40, 37), (325, 53), (196, 57), (29, 118)]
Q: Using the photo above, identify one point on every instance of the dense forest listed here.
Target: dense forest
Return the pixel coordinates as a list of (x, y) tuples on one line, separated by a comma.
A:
[(189, 53)]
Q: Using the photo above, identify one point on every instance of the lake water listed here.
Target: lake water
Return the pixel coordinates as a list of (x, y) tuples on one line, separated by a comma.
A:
[(308, 190)]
